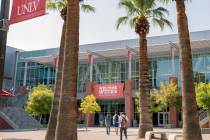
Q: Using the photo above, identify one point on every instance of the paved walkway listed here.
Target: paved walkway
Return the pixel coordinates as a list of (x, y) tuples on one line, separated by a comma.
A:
[(91, 134)]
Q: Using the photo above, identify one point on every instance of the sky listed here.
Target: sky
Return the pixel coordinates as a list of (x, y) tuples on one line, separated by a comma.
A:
[(45, 32)]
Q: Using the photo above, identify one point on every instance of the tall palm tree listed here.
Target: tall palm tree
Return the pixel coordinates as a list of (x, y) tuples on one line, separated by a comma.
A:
[(140, 12), (60, 5), (66, 128), (191, 127)]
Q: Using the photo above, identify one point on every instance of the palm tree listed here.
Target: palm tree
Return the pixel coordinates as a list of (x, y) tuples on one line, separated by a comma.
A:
[(139, 12), (60, 5), (191, 127)]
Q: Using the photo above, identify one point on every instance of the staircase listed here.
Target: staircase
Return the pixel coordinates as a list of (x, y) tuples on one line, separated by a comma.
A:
[(17, 118), (204, 119)]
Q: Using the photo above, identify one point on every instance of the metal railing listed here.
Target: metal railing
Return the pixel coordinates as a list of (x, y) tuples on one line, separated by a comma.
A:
[(203, 115)]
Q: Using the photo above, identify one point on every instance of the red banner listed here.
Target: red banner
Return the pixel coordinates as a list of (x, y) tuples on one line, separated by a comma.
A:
[(26, 9), (108, 91)]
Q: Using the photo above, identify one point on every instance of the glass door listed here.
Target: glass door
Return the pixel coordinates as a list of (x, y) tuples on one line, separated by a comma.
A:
[(163, 118)]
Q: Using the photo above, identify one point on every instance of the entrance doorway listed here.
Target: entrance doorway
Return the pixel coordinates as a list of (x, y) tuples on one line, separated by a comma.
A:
[(110, 106), (163, 118)]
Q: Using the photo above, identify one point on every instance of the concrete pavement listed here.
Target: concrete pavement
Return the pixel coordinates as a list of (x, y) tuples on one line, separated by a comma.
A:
[(91, 134)]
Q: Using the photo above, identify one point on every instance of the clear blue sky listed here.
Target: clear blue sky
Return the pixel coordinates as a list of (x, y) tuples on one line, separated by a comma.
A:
[(44, 32)]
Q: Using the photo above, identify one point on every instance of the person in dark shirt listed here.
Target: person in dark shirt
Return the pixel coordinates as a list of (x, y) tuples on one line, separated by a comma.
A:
[(108, 120)]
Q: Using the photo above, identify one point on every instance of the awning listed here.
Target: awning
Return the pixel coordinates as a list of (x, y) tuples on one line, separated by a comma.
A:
[(6, 94)]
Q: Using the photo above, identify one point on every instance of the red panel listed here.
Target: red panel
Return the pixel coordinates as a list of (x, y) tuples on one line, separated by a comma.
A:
[(4, 124), (108, 91), (26, 9)]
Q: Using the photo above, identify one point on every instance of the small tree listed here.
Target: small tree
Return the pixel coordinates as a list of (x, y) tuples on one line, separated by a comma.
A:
[(40, 100), (89, 106), (203, 96), (168, 95), (155, 106)]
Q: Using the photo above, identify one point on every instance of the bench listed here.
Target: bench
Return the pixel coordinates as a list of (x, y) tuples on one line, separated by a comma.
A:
[(150, 134), (174, 136)]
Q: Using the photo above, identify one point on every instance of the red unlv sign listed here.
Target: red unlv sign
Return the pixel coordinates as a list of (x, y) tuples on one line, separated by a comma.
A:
[(26, 9), (109, 91)]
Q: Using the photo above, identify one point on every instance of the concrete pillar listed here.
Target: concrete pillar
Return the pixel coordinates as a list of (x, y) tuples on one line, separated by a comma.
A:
[(25, 74), (89, 90), (173, 113), (129, 101)]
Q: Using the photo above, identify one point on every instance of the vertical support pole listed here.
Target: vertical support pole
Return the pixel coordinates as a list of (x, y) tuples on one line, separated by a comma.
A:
[(56, 67), (90, 62), (48, 75), (4, 13), (172, 61), (25, 74), (110, 72), (15, 71), (129, 64)]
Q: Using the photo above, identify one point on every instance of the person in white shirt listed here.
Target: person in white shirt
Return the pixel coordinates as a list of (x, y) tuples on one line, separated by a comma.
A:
[(123, 123)]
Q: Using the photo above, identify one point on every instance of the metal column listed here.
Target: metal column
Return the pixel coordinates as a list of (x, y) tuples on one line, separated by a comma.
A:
[(25, 74), (15, 71), (129, 64), (90, 62)]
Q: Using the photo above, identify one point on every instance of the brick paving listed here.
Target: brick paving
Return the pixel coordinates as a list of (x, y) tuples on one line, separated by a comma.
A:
[(91, 134)]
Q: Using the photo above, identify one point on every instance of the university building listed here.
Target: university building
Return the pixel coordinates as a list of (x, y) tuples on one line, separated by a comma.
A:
[(109, 70)]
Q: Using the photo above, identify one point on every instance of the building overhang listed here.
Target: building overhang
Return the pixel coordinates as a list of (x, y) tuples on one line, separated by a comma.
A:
[(158, 46)]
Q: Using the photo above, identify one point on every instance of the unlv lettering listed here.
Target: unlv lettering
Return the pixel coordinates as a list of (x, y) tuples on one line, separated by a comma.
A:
[(28, 7)]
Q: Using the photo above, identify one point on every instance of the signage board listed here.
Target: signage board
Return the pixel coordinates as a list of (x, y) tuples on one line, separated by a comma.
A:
[(108, 91)]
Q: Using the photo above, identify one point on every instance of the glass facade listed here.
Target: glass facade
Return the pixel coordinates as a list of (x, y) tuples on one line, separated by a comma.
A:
[(31, 74), (160, 69)]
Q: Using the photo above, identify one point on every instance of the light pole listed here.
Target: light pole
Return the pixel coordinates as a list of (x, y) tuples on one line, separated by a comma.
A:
[(4, 14), (3, 37)]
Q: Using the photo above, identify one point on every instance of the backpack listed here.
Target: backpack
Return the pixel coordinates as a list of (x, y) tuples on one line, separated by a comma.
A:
[(123, 122), (116, 118)]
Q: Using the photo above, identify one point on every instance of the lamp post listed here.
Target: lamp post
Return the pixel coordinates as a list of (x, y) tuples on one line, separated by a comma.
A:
[(4, 14)]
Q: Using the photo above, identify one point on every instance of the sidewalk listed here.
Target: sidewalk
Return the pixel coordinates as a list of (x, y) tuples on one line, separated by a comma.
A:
[(91, 134)]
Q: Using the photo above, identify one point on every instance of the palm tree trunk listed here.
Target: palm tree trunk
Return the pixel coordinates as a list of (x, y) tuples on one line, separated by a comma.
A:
[(54, 111), (144, 89), (67, 115), (191, 126)]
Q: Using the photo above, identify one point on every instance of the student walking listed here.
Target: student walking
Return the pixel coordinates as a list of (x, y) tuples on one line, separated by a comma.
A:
[(108, 120), (116, 122), (123, 119)]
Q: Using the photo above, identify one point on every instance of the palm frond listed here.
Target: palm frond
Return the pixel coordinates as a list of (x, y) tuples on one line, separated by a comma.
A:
[(133, 21), (87, 8), (167, 23), (148, 9), (162, 22), (56, 4), (165, 1), (160, 11), (158, 22), (129, 6), (121, 20)]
